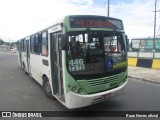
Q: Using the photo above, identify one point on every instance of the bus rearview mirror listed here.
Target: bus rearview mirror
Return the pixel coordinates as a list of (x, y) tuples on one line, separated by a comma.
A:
[(62, 41)]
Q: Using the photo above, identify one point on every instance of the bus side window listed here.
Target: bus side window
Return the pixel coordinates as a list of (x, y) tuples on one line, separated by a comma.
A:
[(36, 45), (22, 45), (32, 45), (40, 43), (44, 44)]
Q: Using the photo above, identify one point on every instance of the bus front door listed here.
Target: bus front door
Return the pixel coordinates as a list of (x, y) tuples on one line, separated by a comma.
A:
[(56, 67)]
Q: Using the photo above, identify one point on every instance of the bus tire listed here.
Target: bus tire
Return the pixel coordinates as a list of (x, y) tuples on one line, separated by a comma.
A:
[(47, 88)]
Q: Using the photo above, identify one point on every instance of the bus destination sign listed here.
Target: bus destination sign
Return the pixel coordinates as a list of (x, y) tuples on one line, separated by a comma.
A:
[(94, 22)]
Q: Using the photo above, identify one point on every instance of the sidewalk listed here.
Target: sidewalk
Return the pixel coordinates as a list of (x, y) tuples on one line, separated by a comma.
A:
[(145, 74)]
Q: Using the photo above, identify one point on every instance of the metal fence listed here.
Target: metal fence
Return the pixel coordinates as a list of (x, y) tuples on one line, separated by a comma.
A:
[(145, 48)]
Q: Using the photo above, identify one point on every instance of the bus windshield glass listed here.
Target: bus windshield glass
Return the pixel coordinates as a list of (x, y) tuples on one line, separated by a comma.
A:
[(95, 52)]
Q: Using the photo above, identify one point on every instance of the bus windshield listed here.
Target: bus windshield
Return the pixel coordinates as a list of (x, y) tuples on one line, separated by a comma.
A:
[(89, 52)]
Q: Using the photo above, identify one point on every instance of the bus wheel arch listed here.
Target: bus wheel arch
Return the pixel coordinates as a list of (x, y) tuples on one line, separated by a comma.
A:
[(47, 87)]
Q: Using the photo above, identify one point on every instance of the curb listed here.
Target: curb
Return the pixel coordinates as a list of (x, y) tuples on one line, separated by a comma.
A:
[(145, 80), (144, 62)]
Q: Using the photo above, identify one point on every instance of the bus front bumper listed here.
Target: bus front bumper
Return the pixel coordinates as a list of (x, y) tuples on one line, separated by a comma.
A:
[(74, 100)]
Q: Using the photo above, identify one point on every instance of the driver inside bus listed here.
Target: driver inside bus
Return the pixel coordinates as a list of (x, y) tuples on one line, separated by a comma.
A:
[(78, 50)]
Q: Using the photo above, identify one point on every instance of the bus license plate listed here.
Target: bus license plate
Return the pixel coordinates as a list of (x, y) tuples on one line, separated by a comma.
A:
[(106, 96)]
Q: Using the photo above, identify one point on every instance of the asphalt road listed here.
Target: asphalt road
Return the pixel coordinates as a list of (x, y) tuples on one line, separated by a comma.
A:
[(19, 92)]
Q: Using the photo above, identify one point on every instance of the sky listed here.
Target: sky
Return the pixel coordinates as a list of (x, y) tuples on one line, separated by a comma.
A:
[(20, 18)]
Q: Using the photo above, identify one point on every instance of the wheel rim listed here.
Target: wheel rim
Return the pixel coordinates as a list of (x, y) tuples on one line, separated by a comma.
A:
[(47, 87)]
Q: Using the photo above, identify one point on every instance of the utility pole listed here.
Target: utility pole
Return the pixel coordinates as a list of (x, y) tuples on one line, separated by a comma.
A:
[(154, 39), (158, 32), (108, 7), (155, 13), (154, 42)]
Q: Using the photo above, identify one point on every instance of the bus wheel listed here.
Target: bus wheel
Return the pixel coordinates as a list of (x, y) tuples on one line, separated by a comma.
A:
[(47, 88)]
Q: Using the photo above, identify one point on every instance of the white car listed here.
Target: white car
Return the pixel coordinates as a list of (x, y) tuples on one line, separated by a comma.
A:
[(13, 50)]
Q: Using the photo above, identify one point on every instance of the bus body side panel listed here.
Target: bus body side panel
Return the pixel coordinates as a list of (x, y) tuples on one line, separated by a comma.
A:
[(19, 58), (23, 57), (38, 69), (19, 55)]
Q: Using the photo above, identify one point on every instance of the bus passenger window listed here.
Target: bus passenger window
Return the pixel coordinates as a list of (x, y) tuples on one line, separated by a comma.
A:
[(36, 45), (22, 45), (32, 45), (44, 44), (40, 43)]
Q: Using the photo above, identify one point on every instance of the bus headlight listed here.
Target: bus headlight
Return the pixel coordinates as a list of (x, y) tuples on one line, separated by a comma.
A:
[(75, 89)]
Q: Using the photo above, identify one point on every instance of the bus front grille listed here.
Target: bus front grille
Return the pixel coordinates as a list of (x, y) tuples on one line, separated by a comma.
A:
[(95, 82), (109, 80), (102, 84)]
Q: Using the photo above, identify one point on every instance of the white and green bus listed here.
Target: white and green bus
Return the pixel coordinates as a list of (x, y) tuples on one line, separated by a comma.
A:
[(80, 61)]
